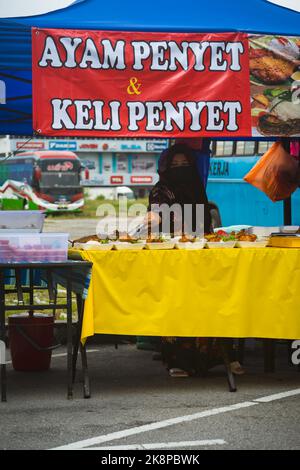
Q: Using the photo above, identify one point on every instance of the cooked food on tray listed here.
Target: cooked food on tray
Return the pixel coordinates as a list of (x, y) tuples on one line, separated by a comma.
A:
[(125, 237), (187, 239), (222, 236), (155, 239), (275, 61), (269, 68), (244, 236), (157, 242), (283, 117), (86, 239)]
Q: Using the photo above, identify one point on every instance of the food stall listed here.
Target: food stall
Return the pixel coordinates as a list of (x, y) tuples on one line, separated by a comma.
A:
[(239, 62)]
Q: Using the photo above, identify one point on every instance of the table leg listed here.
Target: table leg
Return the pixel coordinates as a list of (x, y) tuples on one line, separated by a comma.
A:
[(69, 336), (86, 380), (80, 304), (2, 334), (31, 295)]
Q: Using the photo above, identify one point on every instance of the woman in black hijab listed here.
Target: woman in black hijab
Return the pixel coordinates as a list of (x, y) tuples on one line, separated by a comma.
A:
[(179, 183)]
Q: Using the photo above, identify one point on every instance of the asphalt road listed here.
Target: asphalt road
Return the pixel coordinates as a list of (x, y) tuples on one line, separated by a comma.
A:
[(133, 396), (130, 390), (77, 228)]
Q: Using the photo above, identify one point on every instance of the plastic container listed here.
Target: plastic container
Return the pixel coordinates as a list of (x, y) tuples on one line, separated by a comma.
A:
[(39, 329), (261, 232), (40, 247), (25, 221)]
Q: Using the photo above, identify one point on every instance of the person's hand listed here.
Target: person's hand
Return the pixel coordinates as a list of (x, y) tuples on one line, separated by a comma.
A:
[(152, 219)]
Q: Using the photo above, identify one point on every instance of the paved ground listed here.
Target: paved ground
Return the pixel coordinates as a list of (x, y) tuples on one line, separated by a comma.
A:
[(130, 390), (79, 227), (75, 227)]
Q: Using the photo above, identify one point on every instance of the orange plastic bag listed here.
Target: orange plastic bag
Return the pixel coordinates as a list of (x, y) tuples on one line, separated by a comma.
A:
[(275, 173)]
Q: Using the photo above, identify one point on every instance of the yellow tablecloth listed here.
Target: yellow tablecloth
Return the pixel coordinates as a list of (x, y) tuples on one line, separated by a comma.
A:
[(219, 293)]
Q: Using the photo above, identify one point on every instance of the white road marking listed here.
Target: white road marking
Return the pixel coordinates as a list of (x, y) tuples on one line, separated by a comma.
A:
[(63, 354), (153, 426), (278, 396), (163, 445), (171, 422)]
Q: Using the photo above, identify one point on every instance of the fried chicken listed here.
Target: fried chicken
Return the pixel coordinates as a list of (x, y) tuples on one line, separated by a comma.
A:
[(269, 68)]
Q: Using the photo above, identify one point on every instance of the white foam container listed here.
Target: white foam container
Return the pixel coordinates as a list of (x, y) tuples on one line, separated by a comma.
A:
[(221, 245), (198, 245), (256, 244), (289, 228), (123, 246), (167, 245), (94, 245)]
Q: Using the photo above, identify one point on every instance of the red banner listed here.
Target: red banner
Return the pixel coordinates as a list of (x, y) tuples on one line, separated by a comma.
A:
[(128, 84)]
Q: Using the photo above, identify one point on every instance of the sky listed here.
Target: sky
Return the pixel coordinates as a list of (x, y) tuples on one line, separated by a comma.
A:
[(12, 8)]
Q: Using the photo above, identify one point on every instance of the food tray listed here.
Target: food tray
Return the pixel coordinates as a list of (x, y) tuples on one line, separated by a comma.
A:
[(285, 242), (122, 246), (168, 245), (93, 245), (199, 245), (256, 244), (220, 245)]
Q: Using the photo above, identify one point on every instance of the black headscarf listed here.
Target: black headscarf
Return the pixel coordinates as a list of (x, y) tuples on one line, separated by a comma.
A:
[(194, 191), (191, 192)]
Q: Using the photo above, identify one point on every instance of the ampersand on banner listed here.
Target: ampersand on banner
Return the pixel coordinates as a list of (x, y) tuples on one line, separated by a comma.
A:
[(133, 88)]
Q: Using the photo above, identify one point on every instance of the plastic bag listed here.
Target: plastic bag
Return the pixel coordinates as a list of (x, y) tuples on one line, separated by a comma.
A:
[(275, 173)]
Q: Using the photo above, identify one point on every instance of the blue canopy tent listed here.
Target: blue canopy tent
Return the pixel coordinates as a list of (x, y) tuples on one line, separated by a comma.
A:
[(255, 16)]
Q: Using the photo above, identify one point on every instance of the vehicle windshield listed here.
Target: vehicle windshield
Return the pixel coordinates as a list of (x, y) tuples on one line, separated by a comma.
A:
[(60, 174), (59, 179)]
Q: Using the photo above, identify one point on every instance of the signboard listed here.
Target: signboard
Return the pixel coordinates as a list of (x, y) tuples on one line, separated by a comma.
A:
[(141, 179), (62, 145), (60, 166), (31, 145), (164, 84), (116, 179), (90, 145)]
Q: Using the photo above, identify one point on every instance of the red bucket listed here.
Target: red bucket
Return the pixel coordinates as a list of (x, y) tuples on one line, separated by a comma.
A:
[(28, 335)]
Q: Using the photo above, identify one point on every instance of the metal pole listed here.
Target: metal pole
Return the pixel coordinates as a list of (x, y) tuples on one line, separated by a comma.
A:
[(287, 211), (2, 335), (69, 335)]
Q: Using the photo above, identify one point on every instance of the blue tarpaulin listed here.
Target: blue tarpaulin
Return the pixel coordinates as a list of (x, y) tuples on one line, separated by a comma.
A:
[(253, 16)]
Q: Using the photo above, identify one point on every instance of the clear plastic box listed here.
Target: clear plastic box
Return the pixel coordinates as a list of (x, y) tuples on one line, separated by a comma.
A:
[(31, 247)]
